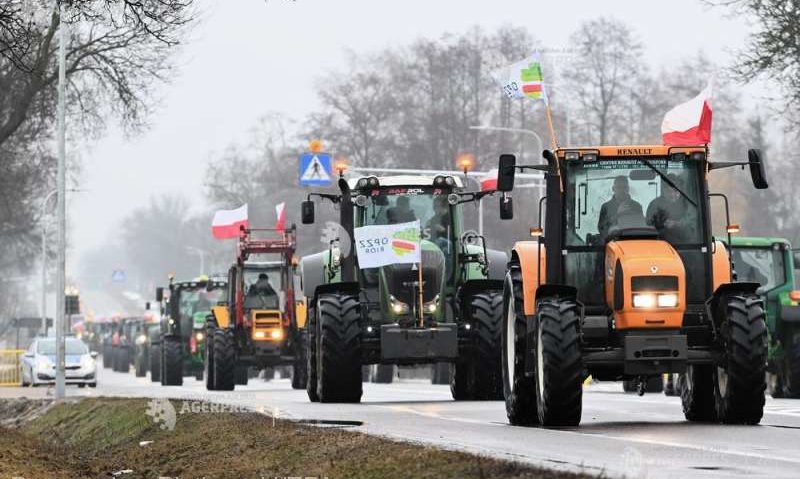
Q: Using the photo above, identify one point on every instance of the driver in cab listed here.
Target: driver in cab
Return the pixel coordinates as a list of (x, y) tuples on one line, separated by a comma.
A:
[(621, 211), (668, 213)]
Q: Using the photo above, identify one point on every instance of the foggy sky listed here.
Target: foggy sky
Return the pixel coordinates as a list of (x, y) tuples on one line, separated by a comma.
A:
[(249, 57)]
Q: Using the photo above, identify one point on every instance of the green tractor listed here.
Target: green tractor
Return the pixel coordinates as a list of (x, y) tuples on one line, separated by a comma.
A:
[(770, 262), (447, 309), (180, 342)]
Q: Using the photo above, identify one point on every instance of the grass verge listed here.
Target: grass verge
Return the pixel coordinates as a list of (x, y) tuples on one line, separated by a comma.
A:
[(99, 437)]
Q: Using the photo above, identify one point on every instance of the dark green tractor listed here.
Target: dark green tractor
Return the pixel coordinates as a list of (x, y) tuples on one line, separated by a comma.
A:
[(770, 262), (180, 343), (383, 315)]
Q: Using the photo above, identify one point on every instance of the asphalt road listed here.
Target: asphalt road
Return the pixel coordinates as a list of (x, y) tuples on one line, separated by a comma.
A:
[(620, 435)]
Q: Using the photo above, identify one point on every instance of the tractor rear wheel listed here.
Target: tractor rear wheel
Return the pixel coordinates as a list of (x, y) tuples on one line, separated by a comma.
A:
[(338, 349), (559, 366), (790, 379), (740, 381), (311, 355), (240, 375), (519, 391), (479, 376), (697, 393), (300, 365), (208, 362), (224, 363), (172, 369), (123, 360), (383, 374), (107, 356), (155, 362), (440, 373)]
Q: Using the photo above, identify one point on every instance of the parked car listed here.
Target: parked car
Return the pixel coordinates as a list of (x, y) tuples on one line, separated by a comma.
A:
[(38, 363)]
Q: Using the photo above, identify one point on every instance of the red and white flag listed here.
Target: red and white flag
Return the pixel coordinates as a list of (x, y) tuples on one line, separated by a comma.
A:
[(489, 182), (227, 223), (280, 212), (689, 123)]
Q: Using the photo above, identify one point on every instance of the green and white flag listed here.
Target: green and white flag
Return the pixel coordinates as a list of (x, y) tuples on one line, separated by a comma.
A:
[(380, 245), (523, 79)]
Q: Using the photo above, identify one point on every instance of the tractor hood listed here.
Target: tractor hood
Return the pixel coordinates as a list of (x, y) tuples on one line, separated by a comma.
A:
[(398, 279)]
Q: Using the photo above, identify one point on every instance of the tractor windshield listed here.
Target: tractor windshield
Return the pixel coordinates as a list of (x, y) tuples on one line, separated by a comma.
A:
[(199, 300), (760, 265), (261, 288), (607, 196)]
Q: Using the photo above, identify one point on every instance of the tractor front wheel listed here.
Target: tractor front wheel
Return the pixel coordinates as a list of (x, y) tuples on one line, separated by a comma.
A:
[(172, 370), (155, 362), (789, 373), (208, 362), (479, 376), (224, 363), (300, 365), (559, 366), (338, 349), (519, 390), (311, 355), (740, 379)]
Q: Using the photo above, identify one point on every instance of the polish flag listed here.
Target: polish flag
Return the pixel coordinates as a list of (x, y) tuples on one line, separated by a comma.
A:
[(280, 212), (689, 123), (489, 182), (227, 223)]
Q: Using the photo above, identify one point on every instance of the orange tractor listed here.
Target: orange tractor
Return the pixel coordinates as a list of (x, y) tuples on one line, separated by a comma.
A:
[(626, 282), (260, 325)]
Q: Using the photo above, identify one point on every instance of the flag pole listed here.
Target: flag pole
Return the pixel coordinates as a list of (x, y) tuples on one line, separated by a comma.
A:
[(419, 280), (549, 115)]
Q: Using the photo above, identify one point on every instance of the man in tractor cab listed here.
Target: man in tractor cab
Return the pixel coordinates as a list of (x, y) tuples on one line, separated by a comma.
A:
[(261, 294), (669, 212), (401, 212), (620, 211)]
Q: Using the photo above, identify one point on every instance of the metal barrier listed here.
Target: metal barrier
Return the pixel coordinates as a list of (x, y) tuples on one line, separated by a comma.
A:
[(11, 367)]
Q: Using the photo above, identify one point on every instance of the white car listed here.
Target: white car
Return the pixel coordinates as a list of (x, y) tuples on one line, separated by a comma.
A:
[(38, 363)]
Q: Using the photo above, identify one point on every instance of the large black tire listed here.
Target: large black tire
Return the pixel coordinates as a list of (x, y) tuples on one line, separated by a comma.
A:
[(697, 393), (123, 360), (224, 365), (140, 365), (311, 355), (208, 360), (479, 376), (670, 387), (338, 349), (241, 377), (789, 373), (629, 386), (519, 391), (107, 356), (559, 368), (155, 363), (172, 358), (740, 381), (383, 374), (440, 373), (300, 365), (268, 374)]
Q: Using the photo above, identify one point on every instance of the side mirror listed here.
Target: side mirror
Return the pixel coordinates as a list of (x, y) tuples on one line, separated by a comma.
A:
[(147, 306), (28, 355), (506, 207), (159, 294), (307, 212), (797, 260), (505, 172), (757, 169)]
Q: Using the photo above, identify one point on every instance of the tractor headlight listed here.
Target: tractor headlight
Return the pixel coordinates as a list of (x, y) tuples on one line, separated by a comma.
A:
[(431, 306), (140, 339), (652, 300), (199, 336), (276, 334), (644, 300), (667, 300), (398, 307)]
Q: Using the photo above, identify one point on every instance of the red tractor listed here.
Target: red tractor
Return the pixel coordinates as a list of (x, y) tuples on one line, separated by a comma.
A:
[(257, 327)]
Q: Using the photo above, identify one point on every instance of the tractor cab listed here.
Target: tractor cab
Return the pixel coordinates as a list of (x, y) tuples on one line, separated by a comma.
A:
[(263, 287)]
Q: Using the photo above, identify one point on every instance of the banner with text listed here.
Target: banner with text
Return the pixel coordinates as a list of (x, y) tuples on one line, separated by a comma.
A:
[(379, 245)]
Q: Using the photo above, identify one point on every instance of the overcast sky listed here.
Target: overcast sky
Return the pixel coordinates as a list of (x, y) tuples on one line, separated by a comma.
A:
[(249, 57)]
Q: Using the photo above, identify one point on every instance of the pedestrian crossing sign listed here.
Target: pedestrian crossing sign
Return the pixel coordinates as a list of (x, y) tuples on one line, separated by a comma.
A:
[(316, 169)]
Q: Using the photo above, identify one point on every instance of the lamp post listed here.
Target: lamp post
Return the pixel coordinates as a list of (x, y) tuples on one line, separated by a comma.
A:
[(44, 261), (202, 254), (61, 208)]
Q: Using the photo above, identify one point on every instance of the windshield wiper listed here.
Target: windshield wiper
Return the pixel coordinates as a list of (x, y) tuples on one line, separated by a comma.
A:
[(669, 182)]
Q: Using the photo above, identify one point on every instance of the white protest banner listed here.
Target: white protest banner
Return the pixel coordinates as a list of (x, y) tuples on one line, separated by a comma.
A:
[(379, 245)]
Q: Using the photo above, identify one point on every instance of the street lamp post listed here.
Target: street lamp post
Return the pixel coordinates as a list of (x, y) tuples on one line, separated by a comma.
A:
[(61, 277), (202, 254), (44, 261)]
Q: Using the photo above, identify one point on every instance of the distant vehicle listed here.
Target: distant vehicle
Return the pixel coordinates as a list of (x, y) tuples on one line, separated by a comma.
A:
[(38, 363)]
